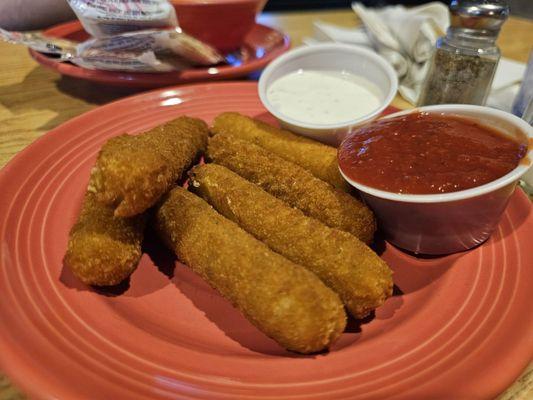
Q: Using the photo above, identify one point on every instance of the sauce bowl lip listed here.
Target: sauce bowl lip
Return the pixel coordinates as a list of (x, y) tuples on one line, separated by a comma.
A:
[(456, 109), (340, 47)]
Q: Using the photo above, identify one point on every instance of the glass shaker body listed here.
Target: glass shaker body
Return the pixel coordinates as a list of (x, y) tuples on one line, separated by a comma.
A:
[(461, 70)]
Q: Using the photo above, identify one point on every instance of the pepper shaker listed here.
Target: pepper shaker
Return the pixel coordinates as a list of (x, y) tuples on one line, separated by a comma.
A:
[(465, 60)]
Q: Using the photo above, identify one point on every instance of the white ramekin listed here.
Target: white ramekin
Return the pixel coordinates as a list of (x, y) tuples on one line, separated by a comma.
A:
[(450, 222), (330, 57)]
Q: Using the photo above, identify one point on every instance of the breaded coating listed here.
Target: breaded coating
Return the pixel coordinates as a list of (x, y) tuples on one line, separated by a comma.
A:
[(317, 158), (103, 250), (294, 185), (344, 263), (133, 172), (282, 299)]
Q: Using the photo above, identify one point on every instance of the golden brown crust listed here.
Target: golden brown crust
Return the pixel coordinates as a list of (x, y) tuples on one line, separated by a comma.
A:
[(103, 250), (133, 172), (317, 158), (284, 300), (361, 279), (294, 185)]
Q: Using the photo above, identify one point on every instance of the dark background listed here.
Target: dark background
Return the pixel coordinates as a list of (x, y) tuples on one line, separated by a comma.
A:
[(274, 5), (521, 8)]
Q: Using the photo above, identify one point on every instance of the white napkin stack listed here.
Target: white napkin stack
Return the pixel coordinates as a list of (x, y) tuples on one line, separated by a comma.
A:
[(406, 37), (506, 84)]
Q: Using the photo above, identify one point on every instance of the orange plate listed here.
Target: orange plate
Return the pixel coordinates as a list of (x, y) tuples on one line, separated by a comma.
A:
[(457, 327), (261, 45)]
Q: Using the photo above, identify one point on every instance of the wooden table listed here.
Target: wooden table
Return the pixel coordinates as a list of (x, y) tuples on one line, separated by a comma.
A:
[(34, 100)]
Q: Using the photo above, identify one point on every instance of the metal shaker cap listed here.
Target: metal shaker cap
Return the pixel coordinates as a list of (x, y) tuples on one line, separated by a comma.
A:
[(486, 16)]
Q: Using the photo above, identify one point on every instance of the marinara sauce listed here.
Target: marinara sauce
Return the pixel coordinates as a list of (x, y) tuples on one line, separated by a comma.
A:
[(426, 153)]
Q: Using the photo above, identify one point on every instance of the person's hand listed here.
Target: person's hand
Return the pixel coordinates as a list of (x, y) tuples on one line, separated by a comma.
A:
[(24, 15)]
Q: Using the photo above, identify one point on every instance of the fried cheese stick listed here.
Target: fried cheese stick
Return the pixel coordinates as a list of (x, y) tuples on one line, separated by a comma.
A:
[(345, 264), (282, 299), (103, 250), (317, 158), (133, 172), (294, 185)]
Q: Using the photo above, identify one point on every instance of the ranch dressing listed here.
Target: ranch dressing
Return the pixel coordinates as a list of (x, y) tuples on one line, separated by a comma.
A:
[(324, 97)]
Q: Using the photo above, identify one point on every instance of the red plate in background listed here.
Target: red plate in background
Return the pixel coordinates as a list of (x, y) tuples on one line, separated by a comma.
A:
[(261, 45), (457, 327)]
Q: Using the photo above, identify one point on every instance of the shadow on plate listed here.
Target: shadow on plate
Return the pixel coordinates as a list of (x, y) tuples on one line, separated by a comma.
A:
[(215, 307), (391, 306), (378, 244), (517, 211), (413, 272), (147, 279), (69, 280), (267, 117), (220, 311)]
